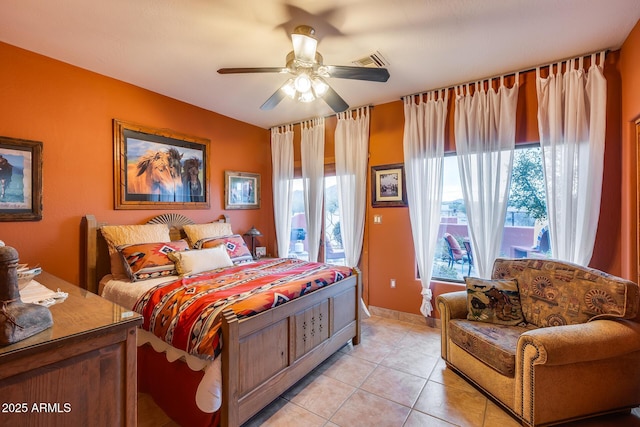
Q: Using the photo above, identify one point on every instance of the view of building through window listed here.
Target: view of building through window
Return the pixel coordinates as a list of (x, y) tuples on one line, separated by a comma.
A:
[(525, 230)]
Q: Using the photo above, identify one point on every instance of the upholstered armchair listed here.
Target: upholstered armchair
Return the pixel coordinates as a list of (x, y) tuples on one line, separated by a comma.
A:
[(574, 352)]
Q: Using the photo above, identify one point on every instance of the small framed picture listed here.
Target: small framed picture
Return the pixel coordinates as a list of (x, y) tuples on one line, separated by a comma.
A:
[(241, 190), (20, 180), (261, 251), (388, 186)]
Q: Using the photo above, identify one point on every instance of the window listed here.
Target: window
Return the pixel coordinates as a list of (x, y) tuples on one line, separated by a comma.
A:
[(298, 244), (333, 252), (525, 234), (333, 249)]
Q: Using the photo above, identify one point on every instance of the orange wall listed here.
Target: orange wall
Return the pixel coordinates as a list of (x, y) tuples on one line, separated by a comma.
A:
[(630, 106), (71, 111), (389, 244)]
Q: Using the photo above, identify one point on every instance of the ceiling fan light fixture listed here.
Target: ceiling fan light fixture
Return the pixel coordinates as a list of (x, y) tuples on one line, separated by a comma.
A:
[(307, 96), (320, 87), (302, 83), (304, 45), (289, 89), (300, 89)]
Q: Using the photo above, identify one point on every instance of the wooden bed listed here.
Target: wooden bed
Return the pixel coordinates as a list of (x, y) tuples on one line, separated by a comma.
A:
[(263, 355)]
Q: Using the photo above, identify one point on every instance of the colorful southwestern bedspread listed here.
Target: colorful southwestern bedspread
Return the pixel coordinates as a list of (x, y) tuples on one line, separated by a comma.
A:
[(187, 312)]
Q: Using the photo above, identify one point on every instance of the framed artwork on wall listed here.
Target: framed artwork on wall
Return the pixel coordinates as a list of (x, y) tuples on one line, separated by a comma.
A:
[(388, 186), (159, 169), (20, 180), (241, 190)]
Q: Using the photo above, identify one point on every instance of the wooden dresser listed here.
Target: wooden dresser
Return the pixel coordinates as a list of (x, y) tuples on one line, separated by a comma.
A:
[(79, 372)]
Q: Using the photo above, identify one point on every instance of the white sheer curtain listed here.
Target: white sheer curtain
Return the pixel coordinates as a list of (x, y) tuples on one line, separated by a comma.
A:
[(485, 126), (571, 122), (352, 152), (424, 125), (282, 164), (312, 156)]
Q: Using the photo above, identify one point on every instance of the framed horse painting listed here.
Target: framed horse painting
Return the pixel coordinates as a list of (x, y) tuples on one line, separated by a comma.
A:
[(20, 180), (159, 169)]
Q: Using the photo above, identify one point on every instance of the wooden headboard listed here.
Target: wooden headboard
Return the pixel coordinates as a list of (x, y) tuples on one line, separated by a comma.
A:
[(95, 262)]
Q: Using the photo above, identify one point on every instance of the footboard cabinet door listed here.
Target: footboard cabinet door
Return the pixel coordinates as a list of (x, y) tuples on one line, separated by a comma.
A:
[(344, 311), (311, 328), (262, 355)]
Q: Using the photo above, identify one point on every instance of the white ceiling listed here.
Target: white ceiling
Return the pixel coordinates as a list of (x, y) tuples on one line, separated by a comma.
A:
[(175, 47)]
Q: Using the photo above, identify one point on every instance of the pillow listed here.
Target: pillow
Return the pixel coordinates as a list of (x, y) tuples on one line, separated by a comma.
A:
[(194, 262), (196, 232), (493, 301), (236, 247), (117, 235), (149, 260)]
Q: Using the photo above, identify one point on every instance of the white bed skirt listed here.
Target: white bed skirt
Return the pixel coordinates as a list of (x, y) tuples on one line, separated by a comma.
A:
[(209, 393)]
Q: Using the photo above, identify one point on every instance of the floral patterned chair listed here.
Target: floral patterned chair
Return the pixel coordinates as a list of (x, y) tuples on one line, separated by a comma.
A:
[(550, 341)]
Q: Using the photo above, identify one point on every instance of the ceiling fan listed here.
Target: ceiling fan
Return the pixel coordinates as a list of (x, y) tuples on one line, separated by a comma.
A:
[(308, 73)]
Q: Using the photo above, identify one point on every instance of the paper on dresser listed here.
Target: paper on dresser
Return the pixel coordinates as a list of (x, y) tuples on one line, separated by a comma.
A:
[(37, 293)]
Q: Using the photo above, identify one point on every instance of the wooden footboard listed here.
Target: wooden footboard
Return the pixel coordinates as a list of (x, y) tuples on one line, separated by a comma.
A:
[(264, 355)]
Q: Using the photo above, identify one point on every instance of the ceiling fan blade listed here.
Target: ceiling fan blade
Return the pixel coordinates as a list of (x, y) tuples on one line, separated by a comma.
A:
[(253, 70), (358, 73), (335, 101), (273, 100)]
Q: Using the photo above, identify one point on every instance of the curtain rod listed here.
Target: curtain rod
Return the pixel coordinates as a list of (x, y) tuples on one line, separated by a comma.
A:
[(527, 70), (324, 117)]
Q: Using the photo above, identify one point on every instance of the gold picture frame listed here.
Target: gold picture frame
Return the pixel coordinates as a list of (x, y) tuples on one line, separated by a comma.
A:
[(159, 168), (241, 190)]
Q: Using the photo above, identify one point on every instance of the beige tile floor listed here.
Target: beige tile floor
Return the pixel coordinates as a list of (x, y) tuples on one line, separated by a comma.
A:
[(395, 377)]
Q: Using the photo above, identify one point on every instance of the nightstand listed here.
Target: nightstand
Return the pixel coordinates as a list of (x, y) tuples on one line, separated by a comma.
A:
[(79, 372)]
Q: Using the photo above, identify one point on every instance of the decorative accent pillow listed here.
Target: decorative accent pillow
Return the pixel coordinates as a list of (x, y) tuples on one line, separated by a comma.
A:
[(197, 232), (118, 235), (194, 262), (493, 301), (149, 260), (236, 247)]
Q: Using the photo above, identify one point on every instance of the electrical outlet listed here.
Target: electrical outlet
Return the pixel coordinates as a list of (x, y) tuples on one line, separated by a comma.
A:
[(377, 219), (393, 283)]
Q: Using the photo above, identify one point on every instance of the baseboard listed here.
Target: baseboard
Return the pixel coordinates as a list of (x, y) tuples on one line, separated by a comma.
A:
[(401, 316)]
